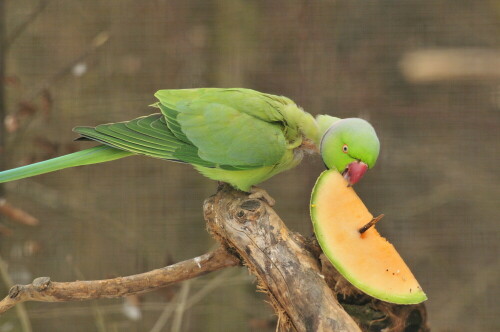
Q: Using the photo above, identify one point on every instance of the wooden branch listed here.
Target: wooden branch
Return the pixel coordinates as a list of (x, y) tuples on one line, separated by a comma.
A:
[(281, 260), (23, 26), (307, 293), (17, 214), (97, 42), (21, 311), (44, 290), (303, 286), (5, 231)]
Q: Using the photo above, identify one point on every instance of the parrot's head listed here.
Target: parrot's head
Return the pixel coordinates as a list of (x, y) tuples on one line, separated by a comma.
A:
[(350, 146)]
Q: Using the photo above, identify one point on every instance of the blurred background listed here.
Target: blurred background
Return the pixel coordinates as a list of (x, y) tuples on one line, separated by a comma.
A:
[(425, 73)]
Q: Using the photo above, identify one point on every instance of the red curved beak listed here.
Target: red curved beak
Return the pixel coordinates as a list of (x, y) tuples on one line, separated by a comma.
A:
[(355, 171)]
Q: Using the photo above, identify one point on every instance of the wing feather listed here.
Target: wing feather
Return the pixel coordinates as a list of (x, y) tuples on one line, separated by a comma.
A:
[(226, 136), (149, 136), (172, 123), (238, 128)]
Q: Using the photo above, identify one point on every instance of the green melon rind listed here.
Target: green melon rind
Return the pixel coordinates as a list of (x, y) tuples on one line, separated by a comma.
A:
[(414, 298)]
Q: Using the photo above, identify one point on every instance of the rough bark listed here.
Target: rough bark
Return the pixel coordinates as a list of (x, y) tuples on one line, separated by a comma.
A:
[(307, 293), (284, 266), (44, 290), (304, 288)]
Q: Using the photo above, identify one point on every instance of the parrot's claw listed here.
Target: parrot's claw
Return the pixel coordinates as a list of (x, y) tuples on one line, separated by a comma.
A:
[(259, 193)]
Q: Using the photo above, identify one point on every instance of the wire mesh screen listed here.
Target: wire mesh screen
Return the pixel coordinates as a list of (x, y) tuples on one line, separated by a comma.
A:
[(424, 73)]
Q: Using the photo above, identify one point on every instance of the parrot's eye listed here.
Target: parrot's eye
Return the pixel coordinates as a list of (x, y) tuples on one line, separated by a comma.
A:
[(345, 148)]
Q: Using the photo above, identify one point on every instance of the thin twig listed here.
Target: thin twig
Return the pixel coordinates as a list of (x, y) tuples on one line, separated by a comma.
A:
[(17, 214), (99, 40), (370, 224), (44, 290), (22, 27), (181, 307), (195, 298), (96, 311), (207, 288), (164, 316), (22, 314), (5, 231)]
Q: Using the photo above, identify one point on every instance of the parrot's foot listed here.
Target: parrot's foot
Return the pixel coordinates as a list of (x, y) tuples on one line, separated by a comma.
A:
[(259, 193)]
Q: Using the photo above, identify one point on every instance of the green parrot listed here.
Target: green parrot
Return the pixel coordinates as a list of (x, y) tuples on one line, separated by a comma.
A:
[(238, 136)]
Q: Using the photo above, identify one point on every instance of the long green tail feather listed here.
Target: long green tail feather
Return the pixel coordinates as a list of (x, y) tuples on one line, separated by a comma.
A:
[(98, 154)]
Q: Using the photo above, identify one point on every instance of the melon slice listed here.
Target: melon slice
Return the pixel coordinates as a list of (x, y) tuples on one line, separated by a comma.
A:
[(368, 261)]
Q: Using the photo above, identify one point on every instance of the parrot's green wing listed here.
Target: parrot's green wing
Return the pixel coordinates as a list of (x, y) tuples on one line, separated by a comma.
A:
[(238, 127), (225, 135), (239, 136), (263, 106), (148, 136)]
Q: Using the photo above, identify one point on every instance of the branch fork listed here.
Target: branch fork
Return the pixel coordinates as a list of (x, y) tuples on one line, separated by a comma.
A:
[(44, 290), (304, 289)]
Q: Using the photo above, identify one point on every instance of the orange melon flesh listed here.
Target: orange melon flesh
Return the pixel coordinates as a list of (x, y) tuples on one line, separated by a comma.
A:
[(367, 260)]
